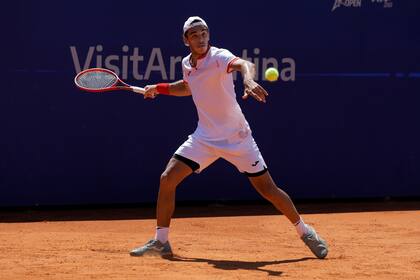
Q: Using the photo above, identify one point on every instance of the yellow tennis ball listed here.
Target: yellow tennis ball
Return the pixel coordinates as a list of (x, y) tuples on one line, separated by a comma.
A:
[(271, 74)]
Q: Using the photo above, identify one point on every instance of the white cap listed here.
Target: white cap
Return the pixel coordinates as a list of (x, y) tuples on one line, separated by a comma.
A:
[(190, 23)]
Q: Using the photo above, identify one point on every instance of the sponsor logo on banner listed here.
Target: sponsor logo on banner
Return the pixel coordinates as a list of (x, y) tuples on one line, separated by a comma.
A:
[(131, 63), (358, 3), (346, 3), (386, 3)]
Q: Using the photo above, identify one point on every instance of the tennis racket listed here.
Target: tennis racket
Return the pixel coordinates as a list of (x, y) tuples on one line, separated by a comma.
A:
[(102, 80)]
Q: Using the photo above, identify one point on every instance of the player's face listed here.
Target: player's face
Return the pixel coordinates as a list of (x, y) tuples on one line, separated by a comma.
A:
[(198, 39)]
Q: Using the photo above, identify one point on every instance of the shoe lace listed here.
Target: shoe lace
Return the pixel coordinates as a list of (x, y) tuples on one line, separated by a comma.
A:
[(152, 243)]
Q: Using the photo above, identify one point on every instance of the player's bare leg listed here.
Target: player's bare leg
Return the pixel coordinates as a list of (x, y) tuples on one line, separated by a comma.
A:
[(174, 173), (265, 185)]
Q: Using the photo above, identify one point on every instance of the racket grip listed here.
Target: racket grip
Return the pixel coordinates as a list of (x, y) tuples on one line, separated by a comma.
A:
[(138, 90)]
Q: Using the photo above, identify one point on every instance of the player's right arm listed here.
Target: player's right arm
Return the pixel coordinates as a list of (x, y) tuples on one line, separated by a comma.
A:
[(178, 88)]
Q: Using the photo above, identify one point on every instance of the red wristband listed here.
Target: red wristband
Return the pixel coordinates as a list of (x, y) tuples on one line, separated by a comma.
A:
[(162, 88)]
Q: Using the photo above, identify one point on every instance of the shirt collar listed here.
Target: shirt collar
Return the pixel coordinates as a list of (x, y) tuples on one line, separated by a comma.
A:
[(204, 55)]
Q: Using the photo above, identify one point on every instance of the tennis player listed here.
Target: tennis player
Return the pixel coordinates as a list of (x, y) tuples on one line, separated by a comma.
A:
[(222, 132)]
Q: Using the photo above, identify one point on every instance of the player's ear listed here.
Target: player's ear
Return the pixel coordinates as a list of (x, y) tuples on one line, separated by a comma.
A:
[(184, 38)]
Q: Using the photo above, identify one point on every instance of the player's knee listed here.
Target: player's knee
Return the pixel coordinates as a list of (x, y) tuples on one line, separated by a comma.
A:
[(166, 180)]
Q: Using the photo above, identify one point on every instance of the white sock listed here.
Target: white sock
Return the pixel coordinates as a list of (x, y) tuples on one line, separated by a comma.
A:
[(301, 227), (162, 234)]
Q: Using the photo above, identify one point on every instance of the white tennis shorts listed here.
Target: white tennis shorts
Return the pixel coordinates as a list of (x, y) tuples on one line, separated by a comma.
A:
[(245, 154)]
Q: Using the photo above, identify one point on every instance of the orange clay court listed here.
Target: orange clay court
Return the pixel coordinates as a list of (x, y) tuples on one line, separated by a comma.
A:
[(215, 242)]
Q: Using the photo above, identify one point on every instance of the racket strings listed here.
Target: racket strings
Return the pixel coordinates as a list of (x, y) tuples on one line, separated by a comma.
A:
[(96, 80)]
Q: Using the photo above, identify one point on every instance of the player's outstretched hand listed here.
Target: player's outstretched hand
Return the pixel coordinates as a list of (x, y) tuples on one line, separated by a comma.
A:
[(150, 91), (252, 88)]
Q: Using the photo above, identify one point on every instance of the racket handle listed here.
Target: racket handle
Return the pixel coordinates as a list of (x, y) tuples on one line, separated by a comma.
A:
[(138, 89)]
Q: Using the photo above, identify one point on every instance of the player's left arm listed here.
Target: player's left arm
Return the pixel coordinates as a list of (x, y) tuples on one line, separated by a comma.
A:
[(251, 87)]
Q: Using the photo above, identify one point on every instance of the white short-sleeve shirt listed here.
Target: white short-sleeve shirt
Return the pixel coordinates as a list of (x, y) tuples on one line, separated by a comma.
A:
[(213, 93)]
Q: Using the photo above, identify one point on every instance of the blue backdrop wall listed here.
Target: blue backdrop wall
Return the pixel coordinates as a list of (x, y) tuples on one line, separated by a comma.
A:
[(342, 121)]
